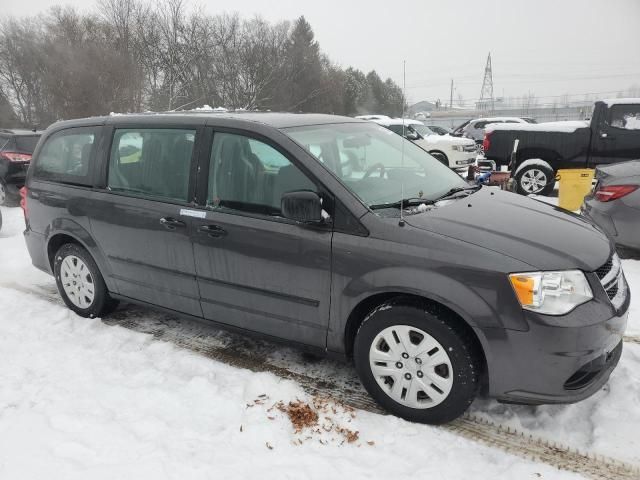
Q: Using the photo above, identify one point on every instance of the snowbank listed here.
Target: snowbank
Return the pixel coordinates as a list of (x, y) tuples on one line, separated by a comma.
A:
[(564, 127), (80, 399)]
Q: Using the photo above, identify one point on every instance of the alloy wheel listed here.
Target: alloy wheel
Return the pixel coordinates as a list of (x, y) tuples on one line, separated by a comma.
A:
[(533, 180)]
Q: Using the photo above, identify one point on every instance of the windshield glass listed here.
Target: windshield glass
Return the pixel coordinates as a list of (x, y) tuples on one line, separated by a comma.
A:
[(369, 160), (423, 130)]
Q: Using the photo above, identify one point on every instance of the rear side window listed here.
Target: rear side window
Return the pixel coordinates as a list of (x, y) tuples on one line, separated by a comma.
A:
[(66, 156), (152, 162), (26, 144), (626, 117)]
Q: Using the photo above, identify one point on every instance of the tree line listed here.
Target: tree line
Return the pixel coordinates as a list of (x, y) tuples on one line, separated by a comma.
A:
[(130, 56)]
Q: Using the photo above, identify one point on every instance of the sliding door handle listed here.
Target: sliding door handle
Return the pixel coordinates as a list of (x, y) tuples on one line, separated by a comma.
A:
[(171, 223), (214, 231)]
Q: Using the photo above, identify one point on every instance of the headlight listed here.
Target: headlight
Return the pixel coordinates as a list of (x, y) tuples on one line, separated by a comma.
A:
[(457, 148), (551, 293)]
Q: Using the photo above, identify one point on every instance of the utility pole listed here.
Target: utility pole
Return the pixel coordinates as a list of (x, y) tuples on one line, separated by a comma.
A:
[(451, 101), (486, 94)]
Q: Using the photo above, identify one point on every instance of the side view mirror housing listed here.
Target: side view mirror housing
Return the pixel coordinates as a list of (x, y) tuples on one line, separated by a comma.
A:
[(412, 136), (302, 206)]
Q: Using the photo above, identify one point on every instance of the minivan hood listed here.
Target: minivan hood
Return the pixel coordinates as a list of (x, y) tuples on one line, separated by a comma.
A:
[(541, 235)]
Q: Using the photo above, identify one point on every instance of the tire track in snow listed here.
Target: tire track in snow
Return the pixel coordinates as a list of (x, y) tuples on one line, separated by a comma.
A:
[(239, 353)]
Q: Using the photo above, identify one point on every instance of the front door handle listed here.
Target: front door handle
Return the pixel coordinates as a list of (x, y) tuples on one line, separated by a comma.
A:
[(171, 223), (214, 231)]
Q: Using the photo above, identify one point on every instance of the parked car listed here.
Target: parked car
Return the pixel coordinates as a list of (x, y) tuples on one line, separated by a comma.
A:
[(614, 204), (253, 221), (16, 148), (612, 136), (474, 129), (456, 153)]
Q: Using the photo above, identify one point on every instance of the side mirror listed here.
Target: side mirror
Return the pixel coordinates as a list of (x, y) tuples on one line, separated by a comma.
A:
[(302, 206), (412, 136)]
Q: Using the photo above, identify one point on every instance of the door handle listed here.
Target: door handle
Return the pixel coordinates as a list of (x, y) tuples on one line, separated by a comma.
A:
[(171, 223), (214, 231)]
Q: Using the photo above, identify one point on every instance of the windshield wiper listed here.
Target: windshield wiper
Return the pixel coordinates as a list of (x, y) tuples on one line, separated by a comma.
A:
[(405, 202), (455, 190)]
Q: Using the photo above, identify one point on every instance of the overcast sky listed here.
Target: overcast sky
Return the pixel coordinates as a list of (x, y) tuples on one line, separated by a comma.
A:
[(546, 47)]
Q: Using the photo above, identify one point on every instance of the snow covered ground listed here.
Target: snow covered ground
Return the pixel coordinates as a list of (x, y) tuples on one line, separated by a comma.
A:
[(80, 399)]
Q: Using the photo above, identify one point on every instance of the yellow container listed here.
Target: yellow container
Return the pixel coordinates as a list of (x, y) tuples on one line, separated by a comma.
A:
[(574, 185)]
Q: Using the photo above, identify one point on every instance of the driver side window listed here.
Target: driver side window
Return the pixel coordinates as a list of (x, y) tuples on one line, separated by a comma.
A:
[(249, 175), (626, 117)]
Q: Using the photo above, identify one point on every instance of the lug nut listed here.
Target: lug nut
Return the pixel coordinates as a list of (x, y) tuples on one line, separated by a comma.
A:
[(405, 355), (420, 374), (399, 364), (418, 361), (407, 376)]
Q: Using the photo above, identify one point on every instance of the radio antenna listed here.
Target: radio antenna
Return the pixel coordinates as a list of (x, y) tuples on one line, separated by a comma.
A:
[(404, 133)]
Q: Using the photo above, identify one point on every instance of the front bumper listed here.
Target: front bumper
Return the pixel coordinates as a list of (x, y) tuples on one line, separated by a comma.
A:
[(461, 160), (559, 359)]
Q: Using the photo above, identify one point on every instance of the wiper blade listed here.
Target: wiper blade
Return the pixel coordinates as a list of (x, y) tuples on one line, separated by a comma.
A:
[(455, 190), (401, 203)]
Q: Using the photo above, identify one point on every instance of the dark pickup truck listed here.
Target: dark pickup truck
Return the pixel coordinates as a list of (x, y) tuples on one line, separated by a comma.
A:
[(535, 152)]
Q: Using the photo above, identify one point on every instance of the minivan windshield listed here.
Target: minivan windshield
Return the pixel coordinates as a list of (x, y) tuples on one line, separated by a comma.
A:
[(377, 165)]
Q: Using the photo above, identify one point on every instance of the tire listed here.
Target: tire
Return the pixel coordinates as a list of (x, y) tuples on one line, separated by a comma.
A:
[(455, 363), (7, 199), (74, 267), (441, 157), (536, 179)]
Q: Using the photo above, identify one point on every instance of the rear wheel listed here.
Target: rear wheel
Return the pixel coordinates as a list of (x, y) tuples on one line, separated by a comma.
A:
[(80, 283), (536, 179), (415, 363)]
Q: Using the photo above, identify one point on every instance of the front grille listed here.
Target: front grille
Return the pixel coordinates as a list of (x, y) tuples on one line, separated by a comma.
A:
[(470, 148), (612, 280)]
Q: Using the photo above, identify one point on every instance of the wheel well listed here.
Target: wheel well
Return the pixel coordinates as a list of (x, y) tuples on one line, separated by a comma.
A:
[(547, 155), (439, 152), (56, 242), (367, 305)]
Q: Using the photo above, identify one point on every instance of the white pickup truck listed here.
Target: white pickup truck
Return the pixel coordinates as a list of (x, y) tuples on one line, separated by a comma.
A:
[(456, 153)]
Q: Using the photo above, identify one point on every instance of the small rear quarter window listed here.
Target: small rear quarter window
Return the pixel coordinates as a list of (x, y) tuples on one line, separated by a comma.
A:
[(66, 156)]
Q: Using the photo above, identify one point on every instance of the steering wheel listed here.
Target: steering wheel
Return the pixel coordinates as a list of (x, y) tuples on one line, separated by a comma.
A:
[(373, 168)]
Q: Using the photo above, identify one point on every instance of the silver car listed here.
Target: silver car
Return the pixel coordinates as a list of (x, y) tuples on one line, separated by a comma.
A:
[(614, 204)]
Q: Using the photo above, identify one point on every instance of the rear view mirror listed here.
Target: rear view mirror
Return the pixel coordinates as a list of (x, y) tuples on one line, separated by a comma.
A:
[(302, 206)]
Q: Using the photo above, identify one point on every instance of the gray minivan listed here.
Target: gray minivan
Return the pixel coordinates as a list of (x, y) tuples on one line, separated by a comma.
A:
[(336, 235)]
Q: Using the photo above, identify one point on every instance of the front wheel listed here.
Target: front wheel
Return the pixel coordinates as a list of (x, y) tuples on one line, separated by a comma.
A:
[(536, 179), (415, 363), (80, 283)]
